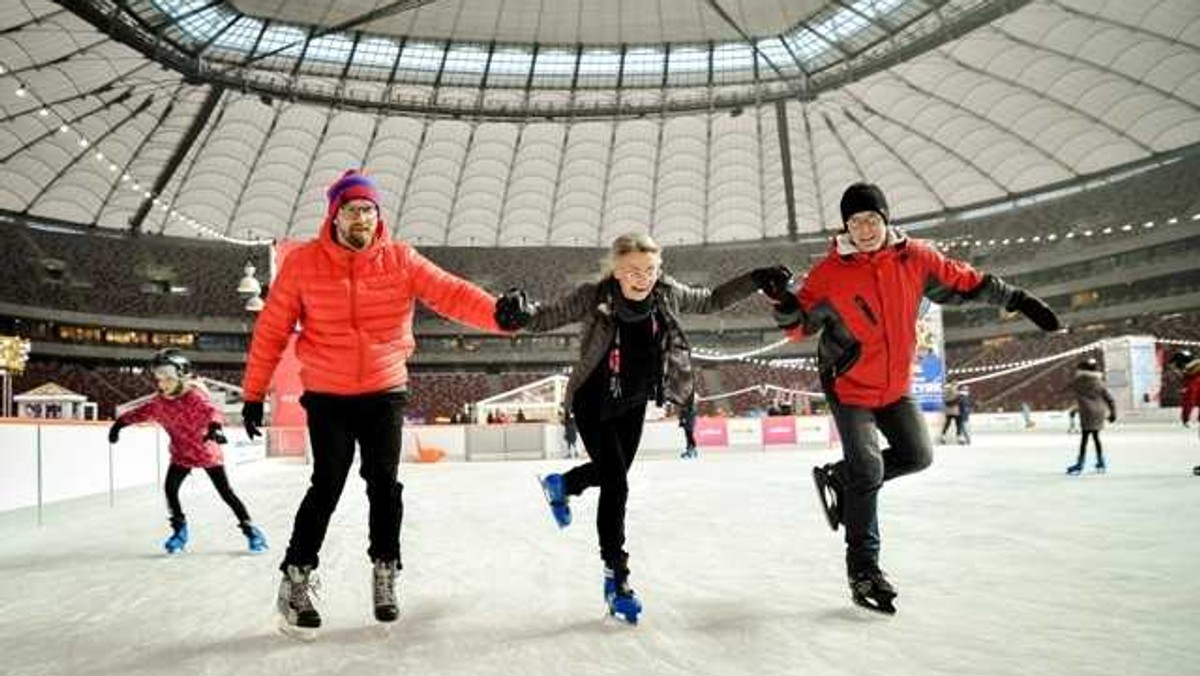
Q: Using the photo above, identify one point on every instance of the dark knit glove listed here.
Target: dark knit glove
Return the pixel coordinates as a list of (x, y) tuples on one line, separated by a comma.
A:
[(252, 418), (114, 432), (215, 433), (513, 310), (773, 281), (1034, 308)]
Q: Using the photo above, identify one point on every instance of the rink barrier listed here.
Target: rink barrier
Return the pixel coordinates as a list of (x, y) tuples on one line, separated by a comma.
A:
[(49, 461)]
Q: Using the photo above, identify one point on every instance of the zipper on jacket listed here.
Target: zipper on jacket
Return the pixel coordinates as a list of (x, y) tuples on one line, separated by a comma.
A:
[(866, 309), (354, 320)]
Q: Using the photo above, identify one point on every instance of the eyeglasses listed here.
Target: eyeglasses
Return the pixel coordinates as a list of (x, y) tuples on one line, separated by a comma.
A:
[(867, 219), (358, 210), (640, 274)]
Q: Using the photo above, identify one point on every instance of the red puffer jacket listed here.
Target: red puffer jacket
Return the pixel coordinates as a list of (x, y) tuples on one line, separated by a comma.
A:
[(1190, 389), (355, 309), (865, 307)]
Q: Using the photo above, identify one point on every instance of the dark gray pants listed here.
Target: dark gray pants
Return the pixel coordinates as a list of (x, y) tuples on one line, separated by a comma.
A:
[(865, 467)]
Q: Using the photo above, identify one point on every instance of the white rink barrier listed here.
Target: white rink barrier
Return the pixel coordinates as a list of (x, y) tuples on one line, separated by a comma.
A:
[(49, 461)]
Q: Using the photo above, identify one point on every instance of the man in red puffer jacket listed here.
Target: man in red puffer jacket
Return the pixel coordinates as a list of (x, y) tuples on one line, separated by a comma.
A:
[(353, 291), (863, 300)]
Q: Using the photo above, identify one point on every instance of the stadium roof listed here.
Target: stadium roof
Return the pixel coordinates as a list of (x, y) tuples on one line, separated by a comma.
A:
[(511, 122)]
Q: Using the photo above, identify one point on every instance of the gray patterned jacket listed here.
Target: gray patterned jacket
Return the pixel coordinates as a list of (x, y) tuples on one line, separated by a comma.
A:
[(592, 305)]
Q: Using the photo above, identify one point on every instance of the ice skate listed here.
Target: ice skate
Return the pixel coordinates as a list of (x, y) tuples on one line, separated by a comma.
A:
[(256, 543), (554, 488), (298, 617), (384, 590), (871, 590), (178, 540), (829, 490), (622, 602)]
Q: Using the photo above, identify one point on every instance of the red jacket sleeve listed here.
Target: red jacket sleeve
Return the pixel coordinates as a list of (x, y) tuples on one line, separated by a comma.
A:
[(273, 329), (451, 296), (952, 274), (143, 413)]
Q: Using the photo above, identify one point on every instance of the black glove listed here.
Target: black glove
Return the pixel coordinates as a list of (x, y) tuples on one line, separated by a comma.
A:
[(513, 310), (788, 314), (114, 432), (252, 418), (215, 433), (1032, 307), (773, 281), (1112, 416)]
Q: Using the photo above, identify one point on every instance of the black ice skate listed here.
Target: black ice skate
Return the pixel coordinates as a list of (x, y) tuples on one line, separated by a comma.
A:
[(872, 591), (829, 490), (298, 617)]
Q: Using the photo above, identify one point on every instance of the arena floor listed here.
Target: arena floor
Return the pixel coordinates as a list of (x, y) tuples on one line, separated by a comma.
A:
[(1004, 566)]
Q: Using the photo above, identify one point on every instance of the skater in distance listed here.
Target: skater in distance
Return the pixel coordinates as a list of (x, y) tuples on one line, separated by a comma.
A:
[(183, 408), (862, 301)]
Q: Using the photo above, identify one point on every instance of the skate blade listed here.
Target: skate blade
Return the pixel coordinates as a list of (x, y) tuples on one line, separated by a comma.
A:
[(626, 619), (550, 503), (304, 634), (827, 498), (881, 606)]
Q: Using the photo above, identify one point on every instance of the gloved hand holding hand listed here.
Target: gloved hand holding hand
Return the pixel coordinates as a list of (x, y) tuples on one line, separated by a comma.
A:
[(252, 418), (1035, 309), (114, 432), (787, 312), (773, 281), (513, 310), (215, 433)]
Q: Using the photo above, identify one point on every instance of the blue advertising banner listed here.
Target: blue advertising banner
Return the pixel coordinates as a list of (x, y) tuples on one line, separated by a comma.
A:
[(929, 364)]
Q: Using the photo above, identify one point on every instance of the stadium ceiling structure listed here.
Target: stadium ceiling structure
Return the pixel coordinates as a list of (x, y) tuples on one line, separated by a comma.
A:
[(525, 122)]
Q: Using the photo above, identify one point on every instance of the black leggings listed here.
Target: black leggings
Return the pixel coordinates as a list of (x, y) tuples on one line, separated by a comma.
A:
[(1095, 434), (611, 444), (175, 476)]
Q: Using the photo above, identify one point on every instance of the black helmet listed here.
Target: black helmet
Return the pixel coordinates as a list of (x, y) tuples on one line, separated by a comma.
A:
[(1181, 359), (171, 356), (1089, 364)]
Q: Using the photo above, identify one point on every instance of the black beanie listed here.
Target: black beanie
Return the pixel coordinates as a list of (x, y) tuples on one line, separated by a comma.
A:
[(863, 197)]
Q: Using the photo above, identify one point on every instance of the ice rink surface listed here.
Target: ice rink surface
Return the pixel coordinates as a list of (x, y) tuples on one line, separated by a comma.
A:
[(1004, 566)]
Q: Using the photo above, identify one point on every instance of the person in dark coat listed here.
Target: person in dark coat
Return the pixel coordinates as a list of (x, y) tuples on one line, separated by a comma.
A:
[(1095, 404)]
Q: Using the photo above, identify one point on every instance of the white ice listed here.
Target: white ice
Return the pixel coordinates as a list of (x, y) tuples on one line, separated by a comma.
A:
[(1004, 566)]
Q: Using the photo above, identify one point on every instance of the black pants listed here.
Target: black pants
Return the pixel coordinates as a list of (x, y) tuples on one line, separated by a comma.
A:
[(175, 476), (958, 424), (1083, 438), (865, 468), (335, 423), (611, 444)]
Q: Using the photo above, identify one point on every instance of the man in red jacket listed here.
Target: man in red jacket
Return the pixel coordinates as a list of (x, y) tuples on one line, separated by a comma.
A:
[(863, 299), (353, 291), (1189, 387)]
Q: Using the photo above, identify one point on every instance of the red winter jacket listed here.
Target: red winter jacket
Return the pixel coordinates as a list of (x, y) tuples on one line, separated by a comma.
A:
[(1190, 389), (865, 307), (355, 309), (186, 419)]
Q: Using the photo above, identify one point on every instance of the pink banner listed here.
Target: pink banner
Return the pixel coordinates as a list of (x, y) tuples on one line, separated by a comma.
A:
[(711, 432), (288, 434), (779, 430)]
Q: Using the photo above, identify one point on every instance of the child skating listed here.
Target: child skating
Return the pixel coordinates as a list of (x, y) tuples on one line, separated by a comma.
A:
[(193, 423)]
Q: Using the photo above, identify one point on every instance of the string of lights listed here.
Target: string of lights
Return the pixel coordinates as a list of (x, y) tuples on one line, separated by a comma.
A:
[(160, 201)]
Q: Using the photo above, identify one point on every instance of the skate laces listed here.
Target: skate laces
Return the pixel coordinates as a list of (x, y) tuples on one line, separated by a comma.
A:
[(299, 593), (385, 583)]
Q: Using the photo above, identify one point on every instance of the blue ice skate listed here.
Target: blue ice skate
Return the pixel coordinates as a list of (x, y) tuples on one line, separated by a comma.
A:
[(1101, 468), (623, 603), (255, 541), (555, 489), (178, 540), (1075, 469)]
